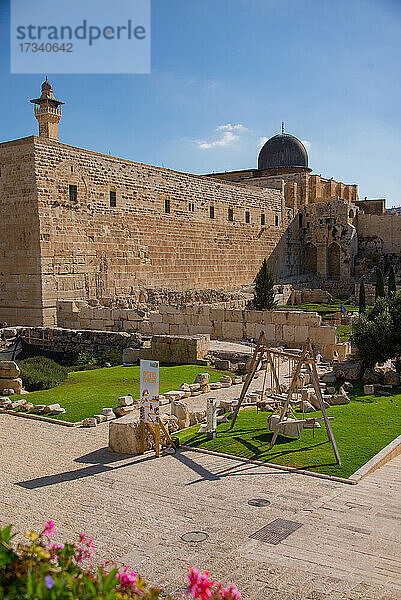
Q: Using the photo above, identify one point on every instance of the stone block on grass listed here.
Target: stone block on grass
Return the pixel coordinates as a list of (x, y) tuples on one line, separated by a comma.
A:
[(125, 401)]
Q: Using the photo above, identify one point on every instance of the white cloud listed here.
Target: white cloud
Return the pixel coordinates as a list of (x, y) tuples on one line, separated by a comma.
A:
[(262, 141), (306, 143), (228, 138)]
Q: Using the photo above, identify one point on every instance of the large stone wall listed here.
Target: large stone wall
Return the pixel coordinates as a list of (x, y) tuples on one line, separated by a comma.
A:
[(380, 233), (20, 273), (91, 250)]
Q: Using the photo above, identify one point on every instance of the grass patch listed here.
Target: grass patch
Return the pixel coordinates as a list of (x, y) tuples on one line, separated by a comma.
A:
[(361, 429), (85, 393), (344, 333)]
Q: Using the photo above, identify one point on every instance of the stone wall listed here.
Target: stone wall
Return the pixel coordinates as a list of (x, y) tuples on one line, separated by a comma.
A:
[(72, 342), (282, 327), (171, 349), (92, 250), (380, 234), (20, 272)]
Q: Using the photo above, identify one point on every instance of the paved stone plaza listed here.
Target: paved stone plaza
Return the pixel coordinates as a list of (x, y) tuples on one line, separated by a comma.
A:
[(136, 508)]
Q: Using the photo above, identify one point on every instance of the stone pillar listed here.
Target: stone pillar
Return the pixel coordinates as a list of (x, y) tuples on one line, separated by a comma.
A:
[(322, 260)]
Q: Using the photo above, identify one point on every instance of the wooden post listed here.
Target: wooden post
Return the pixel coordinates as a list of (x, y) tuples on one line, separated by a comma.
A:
[(257, 357), (142, 437), (289, 395)]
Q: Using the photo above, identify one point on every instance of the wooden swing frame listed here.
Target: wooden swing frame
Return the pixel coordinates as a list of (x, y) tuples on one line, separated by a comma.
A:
[(307, 358)]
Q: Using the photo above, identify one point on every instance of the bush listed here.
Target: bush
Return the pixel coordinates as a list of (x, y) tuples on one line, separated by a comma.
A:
[(114, 356), (42, 569), (41, 373), (377, 335)]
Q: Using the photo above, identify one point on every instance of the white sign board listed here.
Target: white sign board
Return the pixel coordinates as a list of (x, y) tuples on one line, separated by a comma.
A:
[(149, 391)]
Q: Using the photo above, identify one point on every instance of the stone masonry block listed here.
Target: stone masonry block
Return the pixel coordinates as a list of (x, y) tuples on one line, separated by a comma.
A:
[(232, 331)]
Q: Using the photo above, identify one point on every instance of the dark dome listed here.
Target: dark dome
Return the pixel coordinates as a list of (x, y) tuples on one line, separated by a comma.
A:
[(46, 85), (283, 151)]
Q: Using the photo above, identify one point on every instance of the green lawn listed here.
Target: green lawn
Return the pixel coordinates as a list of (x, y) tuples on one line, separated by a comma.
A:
[(85, 393), (323, 309), (361, 429)]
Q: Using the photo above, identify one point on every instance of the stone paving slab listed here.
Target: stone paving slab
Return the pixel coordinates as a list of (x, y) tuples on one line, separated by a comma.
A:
[(137, 509)]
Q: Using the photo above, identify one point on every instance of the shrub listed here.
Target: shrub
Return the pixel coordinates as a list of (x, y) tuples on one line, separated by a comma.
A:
[(85, 358), (264, 288), (43, 569), (114, 356), (41, 373)]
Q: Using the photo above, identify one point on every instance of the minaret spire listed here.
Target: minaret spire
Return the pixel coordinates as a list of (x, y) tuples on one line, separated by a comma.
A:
[(282, 126), (47, 111)]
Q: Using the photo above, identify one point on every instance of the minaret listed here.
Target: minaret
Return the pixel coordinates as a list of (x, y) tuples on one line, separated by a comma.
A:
[(48, 112)]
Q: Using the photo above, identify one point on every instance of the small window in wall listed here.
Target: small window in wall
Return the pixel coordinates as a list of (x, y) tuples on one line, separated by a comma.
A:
[(263, 219), (72, 169), (113, 198), (276, 220), (247, 217), (351, 212), (73, 192), (230, 214), (300, 220), (167, 207), (191, 207), (211, 211)]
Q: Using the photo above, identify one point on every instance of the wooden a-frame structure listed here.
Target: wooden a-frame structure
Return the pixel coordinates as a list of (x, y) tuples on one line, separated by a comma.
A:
[(306, 358)]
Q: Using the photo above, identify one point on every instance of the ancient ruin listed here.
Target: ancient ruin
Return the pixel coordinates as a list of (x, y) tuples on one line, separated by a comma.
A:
[(82, 226)]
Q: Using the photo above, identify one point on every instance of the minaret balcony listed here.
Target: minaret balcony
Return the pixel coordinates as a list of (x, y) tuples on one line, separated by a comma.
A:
[(47, 110)]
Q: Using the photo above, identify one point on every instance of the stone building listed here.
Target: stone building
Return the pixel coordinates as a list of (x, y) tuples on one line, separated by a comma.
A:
[(76, 224)]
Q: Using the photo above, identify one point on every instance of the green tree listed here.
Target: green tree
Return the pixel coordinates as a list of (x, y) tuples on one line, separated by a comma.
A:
[(392, 285), (362, 298), (379, 290), (264, 288), (371, 339), (394, 309)]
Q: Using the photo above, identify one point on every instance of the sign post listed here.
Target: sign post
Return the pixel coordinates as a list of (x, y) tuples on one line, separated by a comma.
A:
[(149, 405)]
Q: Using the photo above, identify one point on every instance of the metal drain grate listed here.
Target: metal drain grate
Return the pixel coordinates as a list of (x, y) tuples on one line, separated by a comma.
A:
[(276, 531), (259, 502), (194, 536)]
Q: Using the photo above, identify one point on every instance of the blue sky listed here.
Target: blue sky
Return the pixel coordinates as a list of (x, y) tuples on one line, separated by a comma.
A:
[(225, 73)]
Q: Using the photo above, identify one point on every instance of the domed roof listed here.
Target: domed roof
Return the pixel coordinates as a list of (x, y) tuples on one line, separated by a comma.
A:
[(283, 151), (46, 85)]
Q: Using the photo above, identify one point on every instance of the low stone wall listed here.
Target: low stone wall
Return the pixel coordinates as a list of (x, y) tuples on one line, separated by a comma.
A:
[(310, 296), (282, 327), (171, 349), (68, 341)]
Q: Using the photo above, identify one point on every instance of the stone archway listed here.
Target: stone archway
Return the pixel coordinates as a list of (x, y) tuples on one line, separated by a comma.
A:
[(333, 261), (310, 258)]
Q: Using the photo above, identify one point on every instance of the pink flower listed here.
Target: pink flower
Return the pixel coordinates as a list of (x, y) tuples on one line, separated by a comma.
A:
[(128, 579), (86, 551), (53, 549), (49, 529), (199, 584), (230, 593)]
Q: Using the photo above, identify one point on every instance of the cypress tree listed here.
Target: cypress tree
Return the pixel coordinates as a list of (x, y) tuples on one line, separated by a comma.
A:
[(379, 290), (362, 298), (264, 288), (392, 285)]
